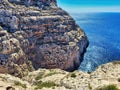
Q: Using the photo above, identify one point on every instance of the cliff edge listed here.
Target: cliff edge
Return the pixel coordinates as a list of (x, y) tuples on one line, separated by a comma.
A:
[(107, 75), (38, 34)]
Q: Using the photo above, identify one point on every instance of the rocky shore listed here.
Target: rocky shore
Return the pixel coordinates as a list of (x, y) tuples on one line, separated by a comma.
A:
[(37, 34), (56, 79)]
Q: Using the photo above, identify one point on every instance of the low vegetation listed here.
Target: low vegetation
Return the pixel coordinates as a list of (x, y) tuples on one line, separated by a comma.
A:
[(38, 77), (40, 85), (51, 73), (118, 79), (41, 74), (17, 83), (89, 87), (73, 75), (108, 87)]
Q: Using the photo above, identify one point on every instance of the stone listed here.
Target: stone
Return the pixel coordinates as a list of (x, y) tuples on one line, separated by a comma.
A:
[(39, 32), (42, 4), (76, 80), (14, 23)]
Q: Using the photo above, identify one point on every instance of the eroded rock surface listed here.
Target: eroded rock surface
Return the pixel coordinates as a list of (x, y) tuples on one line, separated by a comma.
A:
[(40, 32), (107, 74)]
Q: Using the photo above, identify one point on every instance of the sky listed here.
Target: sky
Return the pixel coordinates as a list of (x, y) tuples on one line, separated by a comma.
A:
[(90, 5)]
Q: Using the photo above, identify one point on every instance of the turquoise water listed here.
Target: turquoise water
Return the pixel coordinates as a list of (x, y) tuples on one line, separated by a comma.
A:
[(103, 31)]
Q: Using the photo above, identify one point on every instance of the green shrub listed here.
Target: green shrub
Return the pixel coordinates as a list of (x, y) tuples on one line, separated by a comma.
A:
[(50, 74), (89, 72), (40, 76), (108, 87), (89, 87), (41, 84), (118, 79), (73, 75), (17, 83)]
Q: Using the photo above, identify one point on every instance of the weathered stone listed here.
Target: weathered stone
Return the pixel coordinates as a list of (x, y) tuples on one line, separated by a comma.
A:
[(107, 74), (40, 32), (42, 4)]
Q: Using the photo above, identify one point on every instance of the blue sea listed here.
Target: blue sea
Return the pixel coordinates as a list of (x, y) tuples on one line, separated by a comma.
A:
[(103, 31)]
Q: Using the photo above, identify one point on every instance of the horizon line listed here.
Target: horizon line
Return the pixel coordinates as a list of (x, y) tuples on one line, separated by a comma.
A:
[(92, 9)]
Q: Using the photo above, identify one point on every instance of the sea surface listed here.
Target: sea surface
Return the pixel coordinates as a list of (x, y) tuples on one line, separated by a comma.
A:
[(103, 31)]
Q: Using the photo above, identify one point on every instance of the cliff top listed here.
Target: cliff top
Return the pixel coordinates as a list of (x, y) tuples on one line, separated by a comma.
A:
[(42, 4), (55, 79)]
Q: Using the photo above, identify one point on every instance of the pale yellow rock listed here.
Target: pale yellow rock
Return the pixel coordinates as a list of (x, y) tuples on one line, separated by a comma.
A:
[(65, 80)]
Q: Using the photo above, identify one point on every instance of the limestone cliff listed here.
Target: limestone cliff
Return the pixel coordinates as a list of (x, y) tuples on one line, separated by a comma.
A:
[(38, 31), (55, 79)]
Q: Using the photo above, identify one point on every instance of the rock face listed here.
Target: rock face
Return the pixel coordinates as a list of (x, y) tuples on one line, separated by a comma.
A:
[(42, 4), (38, 31), (108, 74)]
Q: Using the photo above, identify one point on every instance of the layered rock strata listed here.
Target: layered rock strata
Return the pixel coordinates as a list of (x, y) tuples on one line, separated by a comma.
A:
[(38, 31)]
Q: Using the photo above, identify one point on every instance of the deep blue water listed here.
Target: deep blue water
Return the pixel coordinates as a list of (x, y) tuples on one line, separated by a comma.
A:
[(103, 31)]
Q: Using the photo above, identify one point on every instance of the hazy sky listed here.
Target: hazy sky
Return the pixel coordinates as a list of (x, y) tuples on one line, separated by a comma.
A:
[(90, 5)]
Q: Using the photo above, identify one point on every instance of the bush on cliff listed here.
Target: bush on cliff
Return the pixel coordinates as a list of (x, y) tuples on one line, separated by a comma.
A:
[(73, 75), (108, 87), (118, 79), (41, 84), (17, 83)]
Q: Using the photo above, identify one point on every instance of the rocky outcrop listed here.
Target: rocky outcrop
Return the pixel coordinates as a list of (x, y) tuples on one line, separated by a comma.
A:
[(38, 31), (42, 4), (55, 79)]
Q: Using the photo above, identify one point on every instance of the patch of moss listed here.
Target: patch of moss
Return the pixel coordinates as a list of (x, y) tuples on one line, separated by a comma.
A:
[(108, 87), (39, 76), (42, 74), (51, 73), (73, 75), (118, 79), (89, 72), (89, 87), (30, 75), (17, 83), (41, 84)]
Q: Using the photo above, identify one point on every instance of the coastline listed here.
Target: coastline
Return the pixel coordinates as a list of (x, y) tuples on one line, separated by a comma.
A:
[(38, 35), (40, 43), (107, 74)]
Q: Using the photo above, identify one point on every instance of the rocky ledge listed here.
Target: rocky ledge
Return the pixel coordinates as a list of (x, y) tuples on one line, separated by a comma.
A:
[(55, 79), (37, 34)]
